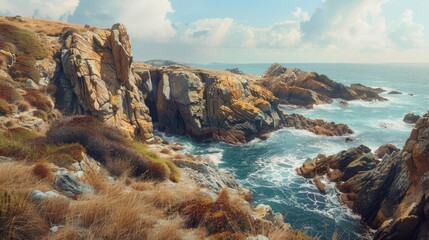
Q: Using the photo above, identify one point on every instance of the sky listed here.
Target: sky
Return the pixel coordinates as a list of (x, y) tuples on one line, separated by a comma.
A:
[(254, 31)]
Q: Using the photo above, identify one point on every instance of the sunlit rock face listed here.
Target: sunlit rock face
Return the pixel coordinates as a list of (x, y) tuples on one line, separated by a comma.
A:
[(97, 79)]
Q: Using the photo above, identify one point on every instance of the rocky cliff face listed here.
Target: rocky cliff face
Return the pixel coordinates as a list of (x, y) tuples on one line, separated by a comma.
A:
[(96, 78), (297, 87), (392, 195), (209, 104)]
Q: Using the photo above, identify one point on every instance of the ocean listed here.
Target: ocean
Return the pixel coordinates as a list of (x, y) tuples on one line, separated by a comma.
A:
[(267, 167)]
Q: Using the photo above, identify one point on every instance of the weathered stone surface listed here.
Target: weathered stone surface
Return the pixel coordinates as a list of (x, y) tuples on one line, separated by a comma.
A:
[(206, 174), (72, 183), (346, 164), (97, 79), (209, 104), (294, 86), (411, 118), (317, 126), (393, 196), (386, 149)]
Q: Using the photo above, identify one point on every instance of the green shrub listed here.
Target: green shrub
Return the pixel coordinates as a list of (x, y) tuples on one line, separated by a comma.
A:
[(17, 143), (25, 41), (7, 46), (64, 155), (27, 48)]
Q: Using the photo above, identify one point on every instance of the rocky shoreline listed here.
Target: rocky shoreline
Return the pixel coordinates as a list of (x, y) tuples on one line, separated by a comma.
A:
[(77, 122), (388, 188)]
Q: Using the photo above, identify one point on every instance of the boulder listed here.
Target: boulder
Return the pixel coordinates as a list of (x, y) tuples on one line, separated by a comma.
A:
[(72, 183), (386, 149), (411, 118), (394, 92), (206, 174)]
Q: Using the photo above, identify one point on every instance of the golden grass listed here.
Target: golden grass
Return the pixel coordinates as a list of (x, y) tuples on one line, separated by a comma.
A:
[(19, 218)]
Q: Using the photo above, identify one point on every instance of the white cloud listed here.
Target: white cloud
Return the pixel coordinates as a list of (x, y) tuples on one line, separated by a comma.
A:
[(147, 19), (301, 15), (405, 32), (357, 24), (51, 9), (209, 32)]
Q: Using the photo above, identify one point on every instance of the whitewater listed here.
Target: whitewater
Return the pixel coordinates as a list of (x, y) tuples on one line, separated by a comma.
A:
[(268, 167)]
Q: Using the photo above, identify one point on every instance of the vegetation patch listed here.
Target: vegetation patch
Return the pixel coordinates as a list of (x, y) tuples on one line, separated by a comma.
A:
[(18, 217), (38, 100), (27, 48), (17, 143), (109, 147), (5, 107)]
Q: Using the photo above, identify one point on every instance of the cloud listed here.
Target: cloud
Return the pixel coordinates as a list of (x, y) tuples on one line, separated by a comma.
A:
[(301, 15), (209, 32), (50, 9), (145, 19), (405, 32), (351, 24)]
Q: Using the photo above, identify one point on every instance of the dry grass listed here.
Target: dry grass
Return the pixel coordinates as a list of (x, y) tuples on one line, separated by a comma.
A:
[(42, 170), (54, 210), (23, 105), (110, 148), (38, 100), (5, 108), (19, 218)]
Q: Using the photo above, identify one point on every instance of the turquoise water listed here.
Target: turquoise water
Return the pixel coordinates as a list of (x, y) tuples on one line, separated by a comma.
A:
[(267, 167)]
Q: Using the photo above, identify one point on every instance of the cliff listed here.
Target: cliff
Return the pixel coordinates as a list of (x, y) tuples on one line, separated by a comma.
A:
[(219, 105), (73, 163)]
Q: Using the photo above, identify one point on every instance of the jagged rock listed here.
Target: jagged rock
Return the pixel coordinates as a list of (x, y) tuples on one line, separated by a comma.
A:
[(320, 185), (39, 196), (207, 174), (235, 71), (264, 212), (386, 149), (349, 163), (411, 118), (209, 104), (317, 126), (71, 183), (394, 92), (294, 86), (97, 79), (87, 165)]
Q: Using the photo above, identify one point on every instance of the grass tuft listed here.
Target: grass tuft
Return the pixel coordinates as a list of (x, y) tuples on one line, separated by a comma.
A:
[(19, 218), (110, 148)]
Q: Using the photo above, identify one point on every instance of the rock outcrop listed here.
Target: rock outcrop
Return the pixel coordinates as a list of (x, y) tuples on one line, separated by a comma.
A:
[(209, 104), (392, 196), (297, 87), (386, 149), (317, 126), (97, 79), (411, 118)]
